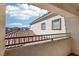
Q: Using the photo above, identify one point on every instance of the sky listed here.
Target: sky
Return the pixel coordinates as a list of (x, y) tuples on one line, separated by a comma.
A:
[(22, 14)]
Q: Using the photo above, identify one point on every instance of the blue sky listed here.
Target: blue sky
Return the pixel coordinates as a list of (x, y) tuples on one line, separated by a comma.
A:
[(22, 14)]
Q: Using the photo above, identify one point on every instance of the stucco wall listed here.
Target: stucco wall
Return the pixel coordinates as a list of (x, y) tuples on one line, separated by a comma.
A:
[(54, 48), (72, 26), (2, 29), (36, 28)]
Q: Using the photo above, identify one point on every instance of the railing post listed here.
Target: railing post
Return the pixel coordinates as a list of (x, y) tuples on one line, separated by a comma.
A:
[(27, 39), (14, 41), (19, 40), (52, 37), (9, 42), (24, 40)]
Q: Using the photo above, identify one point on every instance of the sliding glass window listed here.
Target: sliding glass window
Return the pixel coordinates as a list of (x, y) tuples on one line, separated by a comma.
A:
[(56, 24), (43, 26)]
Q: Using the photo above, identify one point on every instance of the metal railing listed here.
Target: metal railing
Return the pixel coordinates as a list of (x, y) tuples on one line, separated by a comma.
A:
[(19, 41)]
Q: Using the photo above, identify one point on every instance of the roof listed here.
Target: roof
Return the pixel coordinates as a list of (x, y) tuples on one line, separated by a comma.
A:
[(20, 33), (44, 17)]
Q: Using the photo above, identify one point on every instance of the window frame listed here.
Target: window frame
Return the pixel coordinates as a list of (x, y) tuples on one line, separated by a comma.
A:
[(60, 26), (43, 26)]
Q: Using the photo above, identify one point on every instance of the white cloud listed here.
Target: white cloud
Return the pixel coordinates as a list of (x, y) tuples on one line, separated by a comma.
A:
[(24, 11), (9, 7), (16, 25), (24, 6), (34, 8)]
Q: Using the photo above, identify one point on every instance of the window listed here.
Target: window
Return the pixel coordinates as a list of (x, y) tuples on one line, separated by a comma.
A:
[(56, 24), (43, 26)]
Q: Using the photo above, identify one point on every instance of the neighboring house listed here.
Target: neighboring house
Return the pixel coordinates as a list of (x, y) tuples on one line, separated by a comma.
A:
[(51, 23)]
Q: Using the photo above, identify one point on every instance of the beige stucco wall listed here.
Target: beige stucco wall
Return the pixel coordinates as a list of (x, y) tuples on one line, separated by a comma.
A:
[(60, 47), (72, 25), (2, 29), (36, 28)]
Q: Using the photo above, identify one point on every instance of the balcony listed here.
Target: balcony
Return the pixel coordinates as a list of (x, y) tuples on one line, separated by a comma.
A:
[(48, 44)]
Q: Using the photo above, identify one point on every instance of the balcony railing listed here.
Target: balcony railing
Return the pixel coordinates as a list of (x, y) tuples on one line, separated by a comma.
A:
[(19, 41)]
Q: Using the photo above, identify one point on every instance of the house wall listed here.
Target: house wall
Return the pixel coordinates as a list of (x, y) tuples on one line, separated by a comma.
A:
[(60, 47), (36, 28), (2, 29)]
